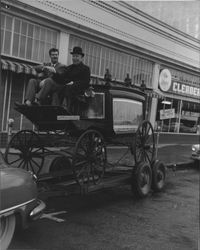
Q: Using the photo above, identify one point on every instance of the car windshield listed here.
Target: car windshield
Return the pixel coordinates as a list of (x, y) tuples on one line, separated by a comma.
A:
[(2, 162)]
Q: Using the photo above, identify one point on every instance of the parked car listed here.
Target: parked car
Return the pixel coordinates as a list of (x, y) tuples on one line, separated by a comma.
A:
[(18, 201), (196, 154)]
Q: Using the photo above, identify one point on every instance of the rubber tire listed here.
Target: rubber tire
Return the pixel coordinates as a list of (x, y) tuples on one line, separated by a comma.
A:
[(158, 167), (7, 231), (139, 192)]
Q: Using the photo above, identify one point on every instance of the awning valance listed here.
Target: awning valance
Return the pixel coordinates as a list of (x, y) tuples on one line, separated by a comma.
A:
[(161, 95), (17, 67), (154, 94)]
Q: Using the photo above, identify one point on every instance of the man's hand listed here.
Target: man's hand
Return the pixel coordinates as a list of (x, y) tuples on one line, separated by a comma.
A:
[(48, 69), (42, 83), (70, 83)]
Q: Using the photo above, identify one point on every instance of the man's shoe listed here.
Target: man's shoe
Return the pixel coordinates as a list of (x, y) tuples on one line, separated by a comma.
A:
[(17, 104), (28, 103)]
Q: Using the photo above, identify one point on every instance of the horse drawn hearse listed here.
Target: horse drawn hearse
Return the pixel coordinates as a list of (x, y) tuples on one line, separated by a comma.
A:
[(113, 117)]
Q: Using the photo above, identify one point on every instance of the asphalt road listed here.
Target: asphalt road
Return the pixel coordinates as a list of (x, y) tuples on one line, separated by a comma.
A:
[(112, 219)]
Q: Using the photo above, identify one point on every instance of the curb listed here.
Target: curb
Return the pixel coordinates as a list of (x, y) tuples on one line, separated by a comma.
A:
[(182, 165)]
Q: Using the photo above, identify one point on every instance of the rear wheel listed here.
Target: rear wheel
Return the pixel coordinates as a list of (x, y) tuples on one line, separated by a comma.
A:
[(7, 225), (141, 180), (143, 146), (158, 176)]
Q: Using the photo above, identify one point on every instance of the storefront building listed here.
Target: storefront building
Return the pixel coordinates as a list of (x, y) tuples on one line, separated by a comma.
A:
[(178, 108), (114, 36)]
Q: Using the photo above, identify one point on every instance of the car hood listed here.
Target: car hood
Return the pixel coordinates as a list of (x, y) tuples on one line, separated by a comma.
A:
[(16, 187)]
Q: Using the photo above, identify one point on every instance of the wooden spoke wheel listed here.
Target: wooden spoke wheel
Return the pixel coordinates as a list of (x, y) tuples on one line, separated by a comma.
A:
[(141, 180), (144, 144), (89, 158), (25, 151), (158, 176)]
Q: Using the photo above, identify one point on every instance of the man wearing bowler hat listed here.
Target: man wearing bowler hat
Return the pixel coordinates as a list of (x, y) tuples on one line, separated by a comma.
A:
[(72, 80)]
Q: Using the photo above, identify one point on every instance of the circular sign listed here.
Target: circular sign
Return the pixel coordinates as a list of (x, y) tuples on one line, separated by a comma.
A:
[(165, 80)]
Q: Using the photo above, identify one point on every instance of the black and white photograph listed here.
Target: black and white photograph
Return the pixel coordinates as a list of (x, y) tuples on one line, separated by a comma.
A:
[(100, 125)]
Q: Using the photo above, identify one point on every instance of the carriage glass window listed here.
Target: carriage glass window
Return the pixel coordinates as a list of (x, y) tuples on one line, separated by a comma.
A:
[(127, 114), (95, 108)]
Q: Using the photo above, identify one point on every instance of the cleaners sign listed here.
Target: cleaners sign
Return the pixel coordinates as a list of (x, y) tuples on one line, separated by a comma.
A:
[(181, 88), (166, 84)]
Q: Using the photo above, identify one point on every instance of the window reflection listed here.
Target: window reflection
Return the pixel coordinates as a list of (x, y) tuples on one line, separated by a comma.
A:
[(95, 108), (127, 114)]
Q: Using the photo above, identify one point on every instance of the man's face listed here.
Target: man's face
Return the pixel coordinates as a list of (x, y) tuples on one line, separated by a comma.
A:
[(76, 58), (54, 57)]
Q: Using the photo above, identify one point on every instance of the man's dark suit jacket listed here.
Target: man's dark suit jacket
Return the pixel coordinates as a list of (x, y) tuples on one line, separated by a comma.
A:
[(79, 74)]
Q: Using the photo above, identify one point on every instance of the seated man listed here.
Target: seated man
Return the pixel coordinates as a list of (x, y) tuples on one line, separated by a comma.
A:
[(43, 71), (75, 78)]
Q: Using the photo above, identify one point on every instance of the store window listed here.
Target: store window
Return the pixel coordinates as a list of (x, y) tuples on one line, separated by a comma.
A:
[(127, 114), (168, 112), (189, 117), (100, 57), (26, 40), (177, 116)]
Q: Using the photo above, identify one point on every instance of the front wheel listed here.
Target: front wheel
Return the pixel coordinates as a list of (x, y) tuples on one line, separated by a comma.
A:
[(141, 180), (7, 225), (25, 151), (143, 147)]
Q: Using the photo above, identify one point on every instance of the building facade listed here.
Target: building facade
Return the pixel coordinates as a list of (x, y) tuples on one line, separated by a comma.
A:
[(113, 35)]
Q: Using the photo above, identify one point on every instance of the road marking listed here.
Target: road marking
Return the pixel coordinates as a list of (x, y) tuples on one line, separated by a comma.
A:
[(51, 216)]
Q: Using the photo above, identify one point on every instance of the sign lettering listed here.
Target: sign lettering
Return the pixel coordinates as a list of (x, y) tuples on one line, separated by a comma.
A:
[(185, 89), (167, 114)]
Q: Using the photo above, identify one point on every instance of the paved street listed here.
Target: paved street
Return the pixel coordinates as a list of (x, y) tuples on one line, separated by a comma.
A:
[(113, 219)]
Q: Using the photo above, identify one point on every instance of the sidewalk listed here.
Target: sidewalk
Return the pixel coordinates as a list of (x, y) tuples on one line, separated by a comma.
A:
[(175, 155)]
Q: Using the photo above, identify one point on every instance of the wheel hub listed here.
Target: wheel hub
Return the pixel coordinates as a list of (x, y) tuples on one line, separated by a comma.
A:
[(27, 155), (159, 176)]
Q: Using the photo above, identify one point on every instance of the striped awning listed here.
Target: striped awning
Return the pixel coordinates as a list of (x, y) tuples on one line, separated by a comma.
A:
[(17, 67)]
